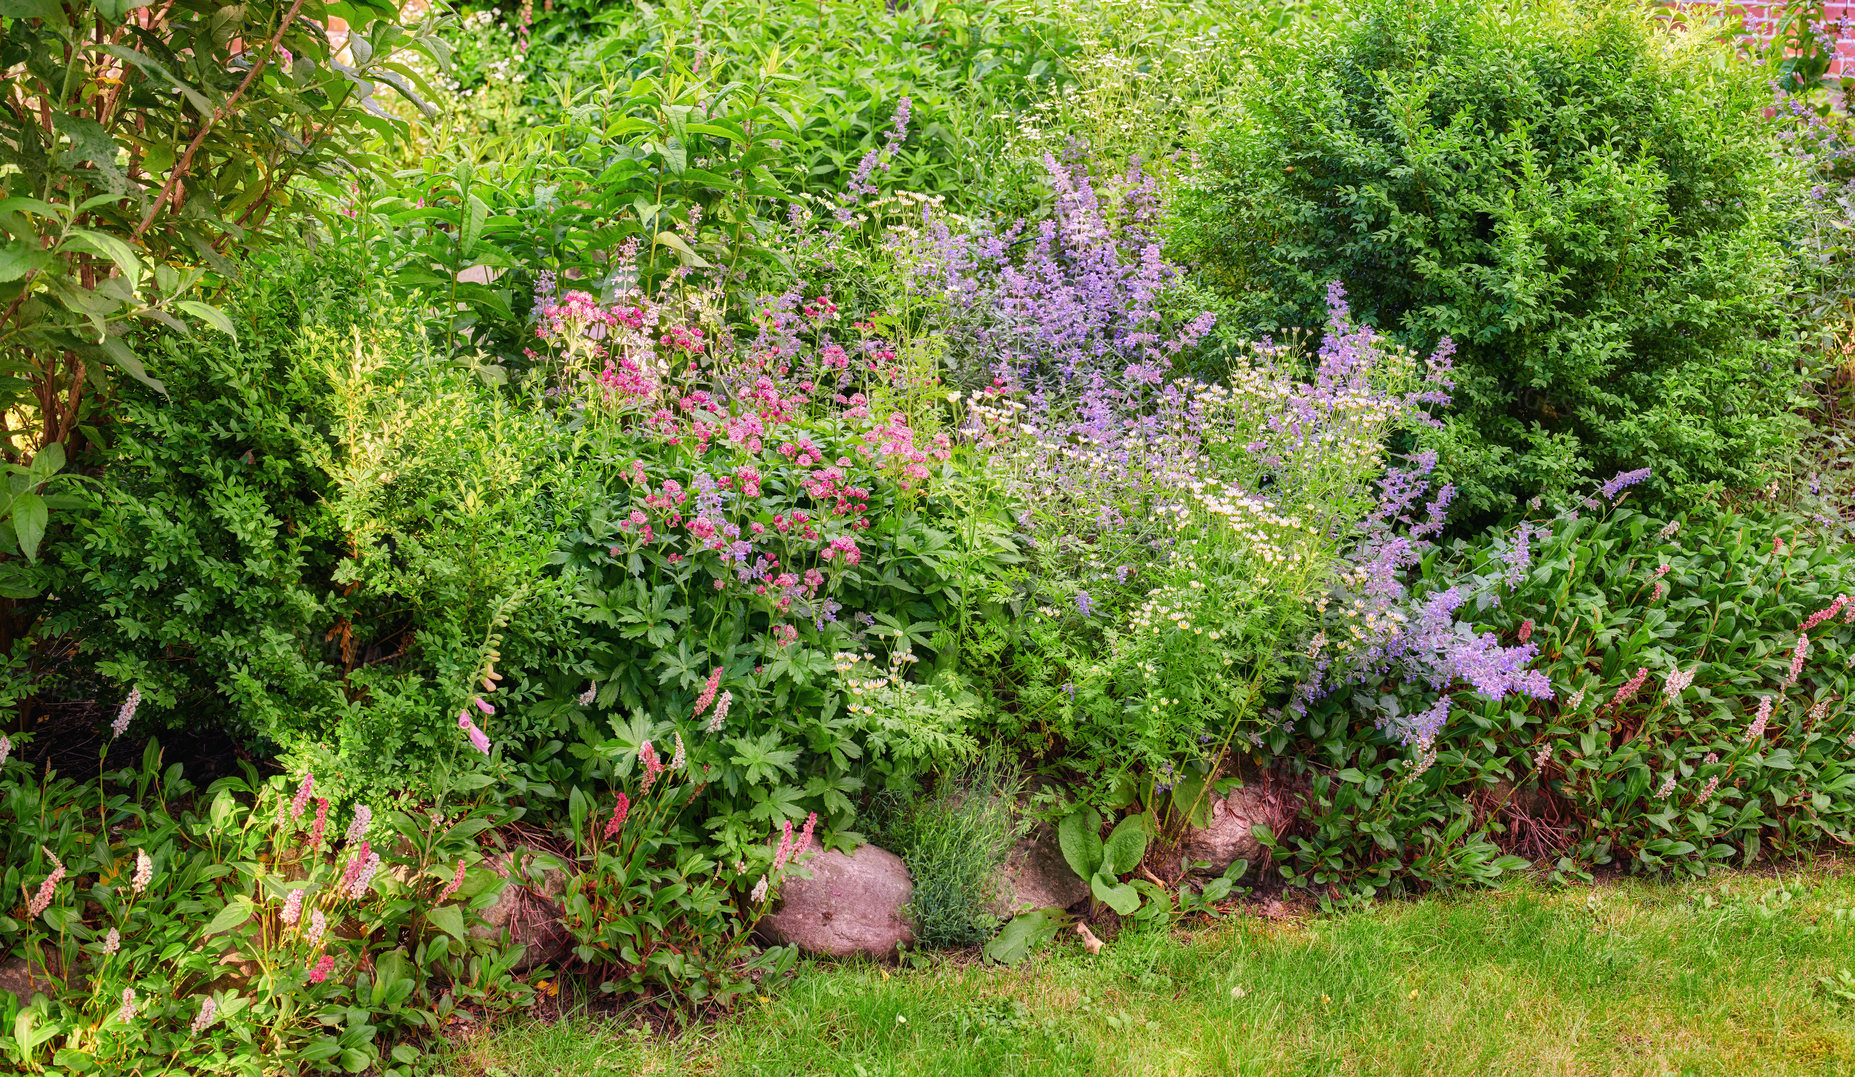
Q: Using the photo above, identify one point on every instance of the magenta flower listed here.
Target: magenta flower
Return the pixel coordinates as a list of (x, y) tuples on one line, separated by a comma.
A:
[(647, 756), (292, 908), (1629, 689), (484, 707), (1797, 657), (323, 966), (1757, 728), (43, 899), (315, 837)]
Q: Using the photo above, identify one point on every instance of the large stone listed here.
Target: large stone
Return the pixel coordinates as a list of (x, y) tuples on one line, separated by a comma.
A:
[(1035, 875), (851, 906), (528, 912), (1228, 838), (22, 980)]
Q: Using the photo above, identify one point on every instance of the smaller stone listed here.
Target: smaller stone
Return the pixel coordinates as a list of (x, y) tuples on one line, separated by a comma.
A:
[(531, 916), (850, 907), (1034, 875), (1229, 838)]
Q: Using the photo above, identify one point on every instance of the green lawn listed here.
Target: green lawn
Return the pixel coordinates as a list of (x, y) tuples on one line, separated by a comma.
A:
[(1713, 977)]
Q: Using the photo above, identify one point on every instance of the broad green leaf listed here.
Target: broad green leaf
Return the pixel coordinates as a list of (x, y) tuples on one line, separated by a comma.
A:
[(448, 919), (209, 314), (1126, 845), (1079, 836), (20, 258), (29, 518), (236, 912), (111, 247), (120, 354), (1120, 897), (1022, 934)]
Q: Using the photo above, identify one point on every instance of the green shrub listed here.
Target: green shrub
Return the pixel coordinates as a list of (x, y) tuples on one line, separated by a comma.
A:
[(308, 539), (1580, 200)]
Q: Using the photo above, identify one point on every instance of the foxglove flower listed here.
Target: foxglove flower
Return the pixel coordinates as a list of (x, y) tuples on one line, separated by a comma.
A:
[(478, 740), (126, 713)]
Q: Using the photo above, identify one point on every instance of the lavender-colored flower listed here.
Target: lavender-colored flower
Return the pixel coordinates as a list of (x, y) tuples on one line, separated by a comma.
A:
[(126, 713), (478, 739), (208, 1010), (126, 1012), (1622, 480), (318, 924), (1084, 602)]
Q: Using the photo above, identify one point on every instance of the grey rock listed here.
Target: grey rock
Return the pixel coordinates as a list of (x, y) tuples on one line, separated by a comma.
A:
[(851, 906), (1228, 838), (528, 911), (1035, 875), (18, 977)]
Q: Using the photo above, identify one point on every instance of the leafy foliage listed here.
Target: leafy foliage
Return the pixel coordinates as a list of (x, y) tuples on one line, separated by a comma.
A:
[(1584, 205)]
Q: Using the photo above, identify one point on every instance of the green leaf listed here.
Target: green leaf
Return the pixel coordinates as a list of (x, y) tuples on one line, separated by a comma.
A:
[(111, 247), (209, 314), (49, 10), (120, 354), (29, 517), (236, 912), (448, 919), (20, 258), (1120, 897), (1126, 845), (1079, 836), (1023, 933)]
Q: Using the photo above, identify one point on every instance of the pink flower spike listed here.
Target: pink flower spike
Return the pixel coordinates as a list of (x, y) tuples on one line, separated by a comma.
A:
[(302, 797), (457, 880), (324, 965), (619, 811)]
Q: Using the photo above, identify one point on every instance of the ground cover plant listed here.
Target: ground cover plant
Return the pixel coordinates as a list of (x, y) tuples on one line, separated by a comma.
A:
[(613, 464)]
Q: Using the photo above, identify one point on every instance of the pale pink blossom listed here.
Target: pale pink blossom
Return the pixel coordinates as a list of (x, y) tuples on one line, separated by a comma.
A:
[(759, 892), (318, 925), (112, 942), (208, 1009), (292, 908), (1797, 657), (39, 902), (144, 872), (363, 818), (1757, 728), (126, 713), (721, 712), (457, 880)]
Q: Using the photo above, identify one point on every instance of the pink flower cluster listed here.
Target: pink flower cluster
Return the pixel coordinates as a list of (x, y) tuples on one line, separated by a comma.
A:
[(790, 848)]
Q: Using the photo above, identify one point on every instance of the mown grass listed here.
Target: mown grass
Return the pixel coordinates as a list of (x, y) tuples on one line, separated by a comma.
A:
[(1719, 976)]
